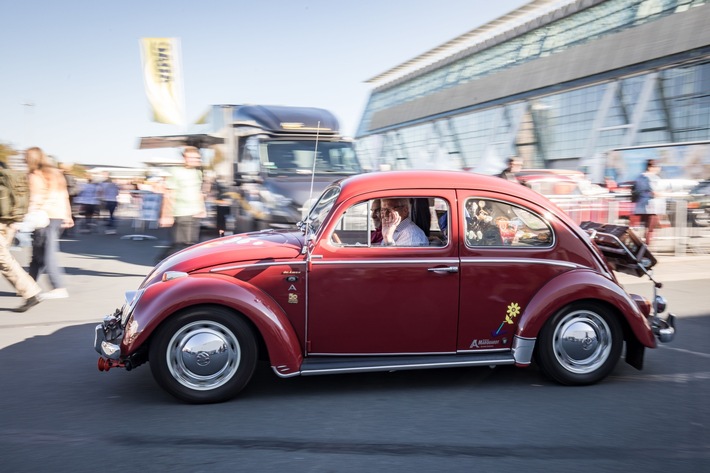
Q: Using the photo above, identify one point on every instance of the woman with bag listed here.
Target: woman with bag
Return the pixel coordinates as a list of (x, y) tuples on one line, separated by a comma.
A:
[(48, 195)]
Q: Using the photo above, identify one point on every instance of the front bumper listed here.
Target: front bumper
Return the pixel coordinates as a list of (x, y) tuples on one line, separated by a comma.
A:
[(108, 336)]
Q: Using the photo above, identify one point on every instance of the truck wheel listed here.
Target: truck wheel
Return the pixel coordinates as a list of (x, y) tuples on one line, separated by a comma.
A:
[(580, 345), (203, 355)]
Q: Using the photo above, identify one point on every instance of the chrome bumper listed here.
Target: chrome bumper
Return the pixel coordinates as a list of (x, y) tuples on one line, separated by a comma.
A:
[(664, 330), (108, 336)]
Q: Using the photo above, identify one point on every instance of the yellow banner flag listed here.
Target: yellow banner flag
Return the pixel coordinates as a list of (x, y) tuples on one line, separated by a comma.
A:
[(162, 73)]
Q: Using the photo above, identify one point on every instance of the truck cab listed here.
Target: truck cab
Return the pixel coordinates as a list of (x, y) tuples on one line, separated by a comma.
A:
[(270, 161), (284, 158)]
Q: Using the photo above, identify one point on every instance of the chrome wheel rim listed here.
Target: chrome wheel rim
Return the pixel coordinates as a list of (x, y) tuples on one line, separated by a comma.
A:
[(582, 342), (203, 355)]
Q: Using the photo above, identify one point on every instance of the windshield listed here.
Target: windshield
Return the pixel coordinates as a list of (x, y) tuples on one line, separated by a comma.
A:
[(321, 209), (296, 157)]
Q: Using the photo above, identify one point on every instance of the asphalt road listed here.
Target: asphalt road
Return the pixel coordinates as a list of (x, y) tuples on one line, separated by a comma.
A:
[(58, 413)]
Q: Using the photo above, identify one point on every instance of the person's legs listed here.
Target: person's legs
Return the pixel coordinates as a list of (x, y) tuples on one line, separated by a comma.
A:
[(180, 234), (25, 285), (39, 239), (651, 225), (194, 231), (51, 254), (111, 207)]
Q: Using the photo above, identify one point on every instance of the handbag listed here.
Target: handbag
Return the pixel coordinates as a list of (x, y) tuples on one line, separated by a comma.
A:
[(36, 219)]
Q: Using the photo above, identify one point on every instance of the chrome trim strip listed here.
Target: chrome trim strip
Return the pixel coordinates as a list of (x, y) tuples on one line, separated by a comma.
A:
[(285, 375), (389, 261), (523, 348), (367, 355), (256, 265), (485, 350), (566, 264), (395, 367)]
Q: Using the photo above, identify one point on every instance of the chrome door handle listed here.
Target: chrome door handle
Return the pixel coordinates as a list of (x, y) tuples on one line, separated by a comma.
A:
[(448, 269)]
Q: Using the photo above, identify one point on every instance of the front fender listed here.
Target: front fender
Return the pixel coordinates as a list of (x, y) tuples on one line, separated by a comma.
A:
[(163, 299), (582, 284)]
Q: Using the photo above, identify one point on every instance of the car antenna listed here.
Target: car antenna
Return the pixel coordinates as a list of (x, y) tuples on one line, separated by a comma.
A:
[(310, 193)]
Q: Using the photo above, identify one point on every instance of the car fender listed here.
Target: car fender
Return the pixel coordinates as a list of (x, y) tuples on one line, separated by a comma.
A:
[(580, 284), (162, 299)]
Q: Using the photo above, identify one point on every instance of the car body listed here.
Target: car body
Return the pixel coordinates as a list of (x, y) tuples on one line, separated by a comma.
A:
[(508, 278)]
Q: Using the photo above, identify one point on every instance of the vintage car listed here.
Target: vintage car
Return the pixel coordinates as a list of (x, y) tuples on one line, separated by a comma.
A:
[(501, 277)]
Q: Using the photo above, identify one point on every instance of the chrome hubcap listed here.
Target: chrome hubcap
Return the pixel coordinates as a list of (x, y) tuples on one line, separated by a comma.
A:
[(203, 355), (582, 342)]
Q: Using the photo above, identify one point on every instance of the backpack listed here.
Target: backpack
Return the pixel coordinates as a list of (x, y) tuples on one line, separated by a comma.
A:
[(14, 195)]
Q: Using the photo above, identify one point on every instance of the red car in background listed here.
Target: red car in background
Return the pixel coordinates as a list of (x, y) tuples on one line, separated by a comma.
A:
[(576, 195), (507, 278)]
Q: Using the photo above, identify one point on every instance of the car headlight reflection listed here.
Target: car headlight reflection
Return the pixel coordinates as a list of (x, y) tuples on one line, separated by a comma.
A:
[(132, 298)]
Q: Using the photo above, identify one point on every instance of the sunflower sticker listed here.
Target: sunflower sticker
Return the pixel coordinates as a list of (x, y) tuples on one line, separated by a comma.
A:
[(511, 313)]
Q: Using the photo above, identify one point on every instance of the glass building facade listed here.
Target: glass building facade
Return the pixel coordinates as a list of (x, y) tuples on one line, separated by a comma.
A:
[(561, 125)]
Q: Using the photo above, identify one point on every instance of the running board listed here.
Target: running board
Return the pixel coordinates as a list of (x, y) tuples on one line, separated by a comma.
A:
[(316, 365)]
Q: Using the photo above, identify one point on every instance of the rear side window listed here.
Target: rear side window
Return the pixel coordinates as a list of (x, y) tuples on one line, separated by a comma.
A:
[(496, 223)]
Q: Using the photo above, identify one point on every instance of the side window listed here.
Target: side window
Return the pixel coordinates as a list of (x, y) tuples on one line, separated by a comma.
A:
[(354, 226), (495, 223), (423, 221)]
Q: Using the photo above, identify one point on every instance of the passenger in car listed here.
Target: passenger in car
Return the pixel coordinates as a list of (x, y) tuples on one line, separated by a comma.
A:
[(421, 214), (376, 235), (397, 226)]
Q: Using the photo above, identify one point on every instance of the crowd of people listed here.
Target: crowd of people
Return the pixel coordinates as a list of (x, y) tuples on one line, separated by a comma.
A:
[(60, 205)]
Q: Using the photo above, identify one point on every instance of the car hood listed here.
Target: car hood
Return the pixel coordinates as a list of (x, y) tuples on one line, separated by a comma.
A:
[(245, 247)]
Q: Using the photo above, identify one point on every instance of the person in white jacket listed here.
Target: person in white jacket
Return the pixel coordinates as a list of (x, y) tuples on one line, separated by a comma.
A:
[(48, 193)]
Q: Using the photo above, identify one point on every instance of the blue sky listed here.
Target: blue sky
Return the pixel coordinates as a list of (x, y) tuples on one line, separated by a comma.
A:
[(72, 84)]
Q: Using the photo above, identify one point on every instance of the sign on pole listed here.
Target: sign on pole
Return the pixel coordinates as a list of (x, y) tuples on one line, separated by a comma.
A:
[(162, 74)]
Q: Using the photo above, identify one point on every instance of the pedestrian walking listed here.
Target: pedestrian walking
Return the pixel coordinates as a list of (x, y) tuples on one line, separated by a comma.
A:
[(108, 191), (647, 202), (89, 201), (183, 202), (15, 188), (48, 194)]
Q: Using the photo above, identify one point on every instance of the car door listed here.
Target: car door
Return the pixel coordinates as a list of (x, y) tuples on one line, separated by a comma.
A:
[(372, 299), (506, 257)]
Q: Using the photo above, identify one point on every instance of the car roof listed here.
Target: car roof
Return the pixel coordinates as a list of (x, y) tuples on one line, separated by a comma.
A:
[(430, 179)]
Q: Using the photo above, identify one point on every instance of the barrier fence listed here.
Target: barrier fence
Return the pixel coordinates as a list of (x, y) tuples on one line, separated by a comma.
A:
[(677, 235)]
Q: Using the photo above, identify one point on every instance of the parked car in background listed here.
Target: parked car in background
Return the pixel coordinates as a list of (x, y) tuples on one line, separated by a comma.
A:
[(699, 204), (576, 195), (507, 278)]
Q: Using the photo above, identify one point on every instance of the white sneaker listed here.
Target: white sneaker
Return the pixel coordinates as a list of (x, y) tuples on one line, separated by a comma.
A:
[(59, 293)]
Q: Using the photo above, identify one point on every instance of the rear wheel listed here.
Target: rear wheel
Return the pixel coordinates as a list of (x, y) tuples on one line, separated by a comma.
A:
[(203, 355), (580, 345)]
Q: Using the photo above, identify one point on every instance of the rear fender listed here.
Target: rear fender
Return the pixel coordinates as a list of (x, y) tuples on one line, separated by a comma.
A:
[(163, 299), (578, 285)]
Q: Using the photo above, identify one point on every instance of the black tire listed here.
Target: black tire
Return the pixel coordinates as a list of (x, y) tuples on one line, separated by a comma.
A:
[(580, 345), (203, 355)]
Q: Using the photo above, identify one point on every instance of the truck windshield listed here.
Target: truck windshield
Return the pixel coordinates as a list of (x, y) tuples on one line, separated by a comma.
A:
[(296, 157)]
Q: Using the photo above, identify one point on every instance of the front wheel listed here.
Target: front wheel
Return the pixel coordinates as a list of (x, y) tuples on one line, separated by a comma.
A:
[(203, 355), (580, 345)]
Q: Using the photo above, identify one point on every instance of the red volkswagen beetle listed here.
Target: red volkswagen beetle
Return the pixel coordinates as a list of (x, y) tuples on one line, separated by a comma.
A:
[(478, 272)]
